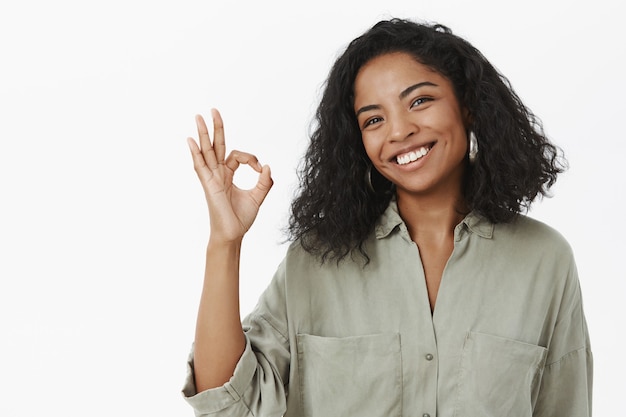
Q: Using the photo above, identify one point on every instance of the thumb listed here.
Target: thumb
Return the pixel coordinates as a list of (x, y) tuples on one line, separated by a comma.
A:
[(263, 185)]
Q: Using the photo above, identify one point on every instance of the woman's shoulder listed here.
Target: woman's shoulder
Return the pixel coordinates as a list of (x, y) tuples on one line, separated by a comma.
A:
[(531, 233), (299, 259)]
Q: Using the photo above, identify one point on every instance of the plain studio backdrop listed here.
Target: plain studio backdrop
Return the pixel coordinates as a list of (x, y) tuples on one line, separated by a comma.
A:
[(103, 224)]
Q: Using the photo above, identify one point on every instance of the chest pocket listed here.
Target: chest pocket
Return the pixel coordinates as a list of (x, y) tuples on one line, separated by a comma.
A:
[(498, 377), (351, 376)]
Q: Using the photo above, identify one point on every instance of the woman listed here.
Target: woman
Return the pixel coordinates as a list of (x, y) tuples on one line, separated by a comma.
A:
[(414, 284)]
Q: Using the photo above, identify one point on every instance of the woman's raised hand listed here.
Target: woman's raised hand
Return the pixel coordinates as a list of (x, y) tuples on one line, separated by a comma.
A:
[(231, 209)]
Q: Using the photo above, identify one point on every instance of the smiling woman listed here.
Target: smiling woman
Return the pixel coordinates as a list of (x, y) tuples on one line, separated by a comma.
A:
[(414, 283), (415, 135)]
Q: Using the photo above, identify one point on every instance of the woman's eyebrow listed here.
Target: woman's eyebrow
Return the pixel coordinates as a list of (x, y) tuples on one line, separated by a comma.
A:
[(414, 87), (367, 108), (402, 96)]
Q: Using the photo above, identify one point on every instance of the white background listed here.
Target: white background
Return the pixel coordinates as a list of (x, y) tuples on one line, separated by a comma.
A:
[(103, 224)]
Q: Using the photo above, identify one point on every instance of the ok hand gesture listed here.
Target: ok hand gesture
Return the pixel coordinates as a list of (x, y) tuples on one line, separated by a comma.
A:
[(231, 209)]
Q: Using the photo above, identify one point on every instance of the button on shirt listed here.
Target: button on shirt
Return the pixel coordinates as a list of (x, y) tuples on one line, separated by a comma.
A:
[(507, 337)]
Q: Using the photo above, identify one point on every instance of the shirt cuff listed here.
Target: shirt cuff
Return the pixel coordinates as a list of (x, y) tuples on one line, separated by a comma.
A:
[(219, 398)]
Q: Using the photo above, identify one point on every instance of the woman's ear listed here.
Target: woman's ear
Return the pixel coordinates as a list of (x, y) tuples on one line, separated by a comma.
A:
[(467, 118)]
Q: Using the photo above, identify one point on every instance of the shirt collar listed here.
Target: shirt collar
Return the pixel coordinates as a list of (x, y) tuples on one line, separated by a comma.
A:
[(390, 220), (478, 225)]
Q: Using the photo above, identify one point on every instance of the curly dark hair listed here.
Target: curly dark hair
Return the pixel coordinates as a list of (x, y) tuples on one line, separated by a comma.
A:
[(334, 210)]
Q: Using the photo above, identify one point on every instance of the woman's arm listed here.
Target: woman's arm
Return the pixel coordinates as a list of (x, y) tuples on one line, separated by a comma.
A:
[(567, 380), (219, 340)]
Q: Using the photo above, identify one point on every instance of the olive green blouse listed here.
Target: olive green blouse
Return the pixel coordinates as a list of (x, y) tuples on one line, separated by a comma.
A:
[(507, 337)]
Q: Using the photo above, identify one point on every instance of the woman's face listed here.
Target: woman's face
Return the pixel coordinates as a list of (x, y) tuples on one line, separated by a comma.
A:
[(412, 125)]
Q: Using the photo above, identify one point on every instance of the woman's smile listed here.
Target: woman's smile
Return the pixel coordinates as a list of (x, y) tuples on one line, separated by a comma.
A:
[(414, 155)]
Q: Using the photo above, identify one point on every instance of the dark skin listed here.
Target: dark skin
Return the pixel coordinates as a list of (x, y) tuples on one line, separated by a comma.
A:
[(432, 230), (219, 340), (414, 131)]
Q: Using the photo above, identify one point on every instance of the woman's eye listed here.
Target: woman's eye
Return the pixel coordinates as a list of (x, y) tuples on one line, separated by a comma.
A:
[(372, 121), (419, 101)]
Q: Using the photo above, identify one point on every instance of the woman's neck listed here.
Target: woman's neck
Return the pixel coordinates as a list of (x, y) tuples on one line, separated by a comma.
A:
[(431, 217)]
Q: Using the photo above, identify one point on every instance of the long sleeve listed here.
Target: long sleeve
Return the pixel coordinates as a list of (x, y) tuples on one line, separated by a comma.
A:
[(566, 385), (257, 386)]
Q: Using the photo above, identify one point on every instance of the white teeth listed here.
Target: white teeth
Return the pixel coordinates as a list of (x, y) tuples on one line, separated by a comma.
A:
[(412, 156)]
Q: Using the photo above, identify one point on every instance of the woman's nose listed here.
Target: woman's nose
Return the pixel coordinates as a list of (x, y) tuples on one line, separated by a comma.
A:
[(401, 126)]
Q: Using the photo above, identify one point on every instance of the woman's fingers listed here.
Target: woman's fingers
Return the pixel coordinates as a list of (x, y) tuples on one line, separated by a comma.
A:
[(265, 182), (199, 163), (206, 146), (210, 163), (219, 141), (263, 185), (237, 158), (196, 155)]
